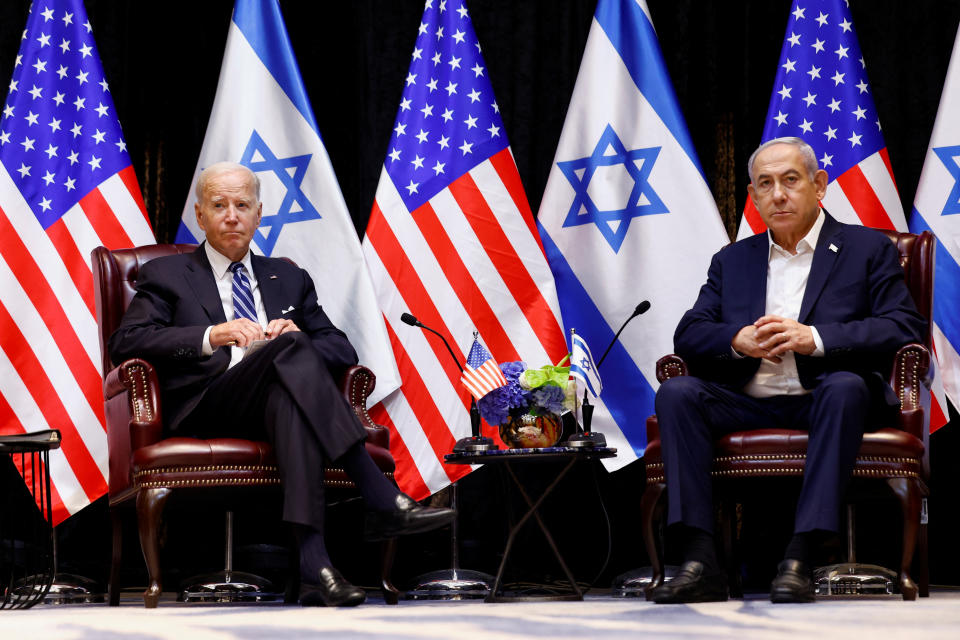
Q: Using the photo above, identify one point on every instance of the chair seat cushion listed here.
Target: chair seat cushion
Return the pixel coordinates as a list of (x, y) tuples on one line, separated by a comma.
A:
[(186, 462), (779, 452)]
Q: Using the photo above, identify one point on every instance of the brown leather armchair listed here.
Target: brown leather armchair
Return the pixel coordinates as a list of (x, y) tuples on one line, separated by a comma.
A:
[(146, 467), (898, 456)]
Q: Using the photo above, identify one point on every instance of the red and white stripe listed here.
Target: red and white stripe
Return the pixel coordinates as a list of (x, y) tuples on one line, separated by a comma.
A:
[(482, 380), (865, 194), (50, 374), (467, 259)]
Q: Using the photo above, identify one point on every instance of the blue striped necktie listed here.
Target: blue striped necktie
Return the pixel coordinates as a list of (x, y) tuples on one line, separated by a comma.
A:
[(243, 305)]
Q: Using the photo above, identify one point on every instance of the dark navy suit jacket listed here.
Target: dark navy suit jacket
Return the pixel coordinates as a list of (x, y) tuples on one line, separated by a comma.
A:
[(855, 297), (177, 299)]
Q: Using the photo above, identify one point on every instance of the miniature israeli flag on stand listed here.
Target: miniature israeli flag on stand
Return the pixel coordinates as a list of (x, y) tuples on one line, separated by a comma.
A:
[(582, 367), (626, 215), (262, 119), (937, 208)]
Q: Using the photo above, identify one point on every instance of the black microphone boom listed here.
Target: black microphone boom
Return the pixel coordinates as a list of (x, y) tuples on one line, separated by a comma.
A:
[(587, 438), (411, 320), (473, 442), (639, 309)]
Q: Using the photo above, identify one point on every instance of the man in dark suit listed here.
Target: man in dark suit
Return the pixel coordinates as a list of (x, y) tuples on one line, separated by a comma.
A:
[(794, 328), (198, 318)]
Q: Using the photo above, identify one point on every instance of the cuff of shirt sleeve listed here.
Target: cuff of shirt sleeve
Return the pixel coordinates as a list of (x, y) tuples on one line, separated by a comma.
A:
[(736, 354), (818, 341), (206, 348)]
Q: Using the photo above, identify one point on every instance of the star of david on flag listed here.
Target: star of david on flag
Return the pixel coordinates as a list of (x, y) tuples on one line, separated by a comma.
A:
[(626, 215), (934, 208), (609, 155), (66, 187), (582, 367), (304, 215), (295, 206)]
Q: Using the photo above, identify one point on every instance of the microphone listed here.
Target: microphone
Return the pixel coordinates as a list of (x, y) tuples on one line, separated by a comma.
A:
[(474, 442), (587, 438), (641, 308)]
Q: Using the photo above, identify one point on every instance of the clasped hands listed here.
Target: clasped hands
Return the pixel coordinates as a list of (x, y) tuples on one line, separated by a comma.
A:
[(771, 336), (242, 332)]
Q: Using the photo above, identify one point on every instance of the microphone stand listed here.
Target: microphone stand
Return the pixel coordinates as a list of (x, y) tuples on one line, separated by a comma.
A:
[(454, 583), (584, 438)]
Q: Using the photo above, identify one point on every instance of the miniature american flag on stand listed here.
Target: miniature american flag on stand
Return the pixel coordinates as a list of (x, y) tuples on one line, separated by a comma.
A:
[(451, 238), (66, 187), (481, 375), (821, 95)]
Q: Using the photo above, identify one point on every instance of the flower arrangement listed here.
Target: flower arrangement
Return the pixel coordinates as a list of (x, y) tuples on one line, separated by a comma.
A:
[(533, 392)]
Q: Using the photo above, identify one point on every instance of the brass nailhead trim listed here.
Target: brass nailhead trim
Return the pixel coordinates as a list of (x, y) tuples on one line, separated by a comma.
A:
[(209, 482), (156, 470), (139, 399)]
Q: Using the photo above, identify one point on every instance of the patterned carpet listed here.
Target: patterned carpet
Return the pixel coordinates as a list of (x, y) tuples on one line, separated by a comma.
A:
[(597, 617)]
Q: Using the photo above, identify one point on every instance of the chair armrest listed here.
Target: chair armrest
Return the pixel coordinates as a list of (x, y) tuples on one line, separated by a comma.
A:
[(356, 385), (671, 366), (911, 378)]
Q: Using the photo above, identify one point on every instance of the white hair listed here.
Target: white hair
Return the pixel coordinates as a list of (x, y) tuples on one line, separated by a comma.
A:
[(221, 168), (806, 152)]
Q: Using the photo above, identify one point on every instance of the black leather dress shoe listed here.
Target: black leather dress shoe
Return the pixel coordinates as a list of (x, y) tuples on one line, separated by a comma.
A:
[(330, 589), (406, 517), (692, 583), (792, 584)]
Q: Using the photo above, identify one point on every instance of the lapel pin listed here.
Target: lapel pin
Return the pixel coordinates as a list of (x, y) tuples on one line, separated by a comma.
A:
[(833, 248), (273, 277)]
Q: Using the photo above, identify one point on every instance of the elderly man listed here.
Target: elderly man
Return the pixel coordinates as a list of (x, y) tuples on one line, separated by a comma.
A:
[(195, 315), (794, 328)]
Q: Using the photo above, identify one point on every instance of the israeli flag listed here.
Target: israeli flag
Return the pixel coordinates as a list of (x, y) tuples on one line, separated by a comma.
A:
[(937, 208), (626, 216), (262, 119), (582, 367)]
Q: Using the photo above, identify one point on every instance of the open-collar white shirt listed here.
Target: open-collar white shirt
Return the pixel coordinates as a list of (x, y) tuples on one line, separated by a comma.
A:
[(787, 276)]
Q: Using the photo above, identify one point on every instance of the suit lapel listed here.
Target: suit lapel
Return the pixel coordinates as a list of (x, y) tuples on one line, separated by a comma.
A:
[(199, 276), (829, 245), (755, 275), (268, 281)]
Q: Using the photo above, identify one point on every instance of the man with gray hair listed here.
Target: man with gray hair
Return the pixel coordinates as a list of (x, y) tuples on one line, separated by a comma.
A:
[(794, 328), (195, 315)]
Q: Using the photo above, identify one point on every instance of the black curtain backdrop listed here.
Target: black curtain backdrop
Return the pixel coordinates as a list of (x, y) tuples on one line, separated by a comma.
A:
[(162, 60)]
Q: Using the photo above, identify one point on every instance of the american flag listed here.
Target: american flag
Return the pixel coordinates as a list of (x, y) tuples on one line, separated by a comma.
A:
[(821, 95), (451, 238), (66, 186), (481, 375)]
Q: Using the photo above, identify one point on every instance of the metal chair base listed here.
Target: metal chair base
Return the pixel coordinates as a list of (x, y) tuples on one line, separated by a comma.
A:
[(451, 584)]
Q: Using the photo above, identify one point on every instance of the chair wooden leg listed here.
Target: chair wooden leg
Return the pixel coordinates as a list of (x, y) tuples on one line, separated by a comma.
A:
[(908, 492), (388, 551), (728, 528), (150, 504), (654, 545), (113, 589), (923, 562)]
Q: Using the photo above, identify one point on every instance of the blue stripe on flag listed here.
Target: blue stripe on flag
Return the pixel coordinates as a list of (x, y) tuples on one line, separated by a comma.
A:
[(946, 278), (626, 392), (184, 236), (262, 25), (635, 39)]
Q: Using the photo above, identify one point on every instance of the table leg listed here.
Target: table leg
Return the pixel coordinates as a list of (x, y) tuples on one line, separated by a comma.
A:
[(532, 511)]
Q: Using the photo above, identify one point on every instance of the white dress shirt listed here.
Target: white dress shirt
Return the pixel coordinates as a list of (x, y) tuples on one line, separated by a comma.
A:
[(220, 264), (787, 276)]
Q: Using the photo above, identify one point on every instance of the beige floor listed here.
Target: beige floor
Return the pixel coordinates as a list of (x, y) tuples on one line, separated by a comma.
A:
[(597, 617)]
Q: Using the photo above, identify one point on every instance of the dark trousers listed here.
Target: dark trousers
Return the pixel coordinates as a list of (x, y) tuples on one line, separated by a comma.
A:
[(692, 413), (285, 394)]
